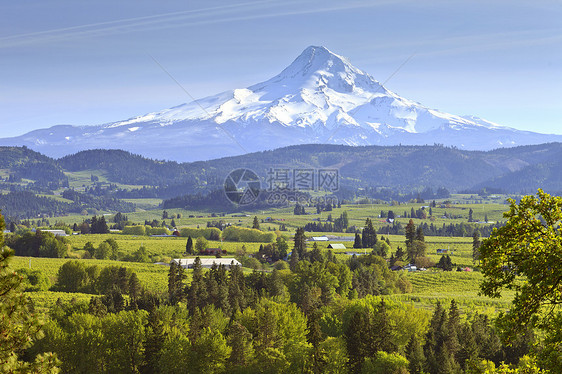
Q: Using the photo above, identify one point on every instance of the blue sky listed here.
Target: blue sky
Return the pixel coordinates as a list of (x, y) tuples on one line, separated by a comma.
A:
[(85, 63)]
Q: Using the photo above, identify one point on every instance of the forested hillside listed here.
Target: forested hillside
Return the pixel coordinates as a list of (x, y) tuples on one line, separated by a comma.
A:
[(386, 173)]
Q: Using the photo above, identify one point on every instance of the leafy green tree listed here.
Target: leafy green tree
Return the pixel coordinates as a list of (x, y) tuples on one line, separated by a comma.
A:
[(89, 249), (528, 246), (72, 277), (18, 325), (282, 248), (386, 363), (114, 251), (201, 244), (103, 251), (34, 280)]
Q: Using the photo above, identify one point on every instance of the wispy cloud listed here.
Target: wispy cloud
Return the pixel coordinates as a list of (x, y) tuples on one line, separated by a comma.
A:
[(212, 15)]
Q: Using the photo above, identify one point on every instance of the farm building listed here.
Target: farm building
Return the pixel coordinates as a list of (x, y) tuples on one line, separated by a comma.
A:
[(319, 239), (187, 263), (336, 246), (56, 232)]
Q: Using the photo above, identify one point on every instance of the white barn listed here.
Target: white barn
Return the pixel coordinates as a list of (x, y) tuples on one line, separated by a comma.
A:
[(187, 263)]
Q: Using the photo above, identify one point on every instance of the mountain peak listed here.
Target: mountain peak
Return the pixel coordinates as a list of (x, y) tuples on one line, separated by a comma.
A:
[(317, 66)]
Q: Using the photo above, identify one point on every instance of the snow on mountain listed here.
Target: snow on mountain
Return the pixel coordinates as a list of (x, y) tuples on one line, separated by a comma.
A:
[(319, 98)]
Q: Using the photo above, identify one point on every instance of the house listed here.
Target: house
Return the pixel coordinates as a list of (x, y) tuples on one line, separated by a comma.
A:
[(336, 246), (213, 251), (187, 263)]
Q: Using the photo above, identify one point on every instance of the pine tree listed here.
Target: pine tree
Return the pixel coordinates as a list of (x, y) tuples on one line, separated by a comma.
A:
[(176, 276), (369, 237), (315, 255), (410, 233), (236, 289), (476, 246), (300, 242), (357, 244), (419, 234), (256, 223), (294, 260), (155, 338), (241, 340), (189, 246), (314, 337), (197, 292), (134, 288), (414, 354), (355, 338)]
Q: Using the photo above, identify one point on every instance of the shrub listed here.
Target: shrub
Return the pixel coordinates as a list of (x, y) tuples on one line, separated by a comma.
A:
[(241, 234), (34, 280), (157, 231), (209, 233), (134, 230)]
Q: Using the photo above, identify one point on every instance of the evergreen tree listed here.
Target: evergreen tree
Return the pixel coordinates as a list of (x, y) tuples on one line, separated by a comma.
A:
[(134, 288), (357, 244), (197, 293), (315, 255), (189, 246), (314, 337), (176, 276), (476, 246), (293, 262), (236, 289), (419, 234), (369, 237), (410, 233), (415, 356), (470, 219), (243, 353), (445, 263), (256, 223), (354, 335), (155, 338), (300, 242)]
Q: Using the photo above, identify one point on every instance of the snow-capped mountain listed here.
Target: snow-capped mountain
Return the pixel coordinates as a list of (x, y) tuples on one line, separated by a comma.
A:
[(319, 98)]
